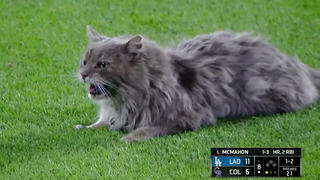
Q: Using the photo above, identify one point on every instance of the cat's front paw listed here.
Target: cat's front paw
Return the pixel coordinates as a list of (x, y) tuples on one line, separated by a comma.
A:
[(133, 138), (79, 126), (128, 138), (137, 135)]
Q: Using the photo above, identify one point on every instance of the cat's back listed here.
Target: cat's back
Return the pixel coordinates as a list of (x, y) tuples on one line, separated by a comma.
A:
[(222, 43), (240, 69), (241, 50)]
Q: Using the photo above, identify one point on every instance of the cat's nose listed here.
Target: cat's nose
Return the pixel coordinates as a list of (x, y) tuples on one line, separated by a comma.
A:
[(84, 76)]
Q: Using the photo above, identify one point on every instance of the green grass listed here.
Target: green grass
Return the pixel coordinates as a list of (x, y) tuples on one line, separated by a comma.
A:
[(41, 101)]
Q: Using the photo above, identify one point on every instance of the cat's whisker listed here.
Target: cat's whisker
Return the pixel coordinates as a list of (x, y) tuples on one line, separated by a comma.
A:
[(99, 88), (113, 86), (99, 83), (104, 90), (74, 77), (110, 84), (116, 89), (110, 87)]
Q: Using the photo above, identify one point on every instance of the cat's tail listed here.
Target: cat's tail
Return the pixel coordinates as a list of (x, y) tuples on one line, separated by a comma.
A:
[(315, 73)]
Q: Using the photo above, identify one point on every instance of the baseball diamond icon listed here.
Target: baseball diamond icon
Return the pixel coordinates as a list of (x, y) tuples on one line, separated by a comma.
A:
[(271, 163)]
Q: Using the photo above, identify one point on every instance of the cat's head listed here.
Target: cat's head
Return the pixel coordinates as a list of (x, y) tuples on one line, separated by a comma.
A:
[(111, 65)]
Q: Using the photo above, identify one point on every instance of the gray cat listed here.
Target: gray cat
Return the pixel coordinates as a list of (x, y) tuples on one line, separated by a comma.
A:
[(147, 90)]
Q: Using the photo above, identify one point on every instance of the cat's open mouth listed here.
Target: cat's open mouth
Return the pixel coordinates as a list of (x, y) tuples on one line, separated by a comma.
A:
[(98, 90)]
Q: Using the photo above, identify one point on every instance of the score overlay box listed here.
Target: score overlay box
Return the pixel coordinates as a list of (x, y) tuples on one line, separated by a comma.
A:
[(256, 162)]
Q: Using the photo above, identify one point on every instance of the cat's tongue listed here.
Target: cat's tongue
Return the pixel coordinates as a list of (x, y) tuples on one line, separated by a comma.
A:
[(92, 89)]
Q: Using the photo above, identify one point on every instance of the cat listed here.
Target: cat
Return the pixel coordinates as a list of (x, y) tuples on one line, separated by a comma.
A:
[(148, 90)]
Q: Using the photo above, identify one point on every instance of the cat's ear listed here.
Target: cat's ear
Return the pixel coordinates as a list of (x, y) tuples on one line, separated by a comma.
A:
[(134, 45), (93, 35)]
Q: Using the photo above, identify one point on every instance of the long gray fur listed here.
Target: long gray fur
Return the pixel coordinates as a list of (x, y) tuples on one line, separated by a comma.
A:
[(162, 91)]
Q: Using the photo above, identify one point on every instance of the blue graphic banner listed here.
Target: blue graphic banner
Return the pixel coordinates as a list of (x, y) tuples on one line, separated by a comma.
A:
[(232, 161)]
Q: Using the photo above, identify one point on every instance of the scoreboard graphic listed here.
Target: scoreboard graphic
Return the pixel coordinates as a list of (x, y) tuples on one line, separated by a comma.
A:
[(255, 162)]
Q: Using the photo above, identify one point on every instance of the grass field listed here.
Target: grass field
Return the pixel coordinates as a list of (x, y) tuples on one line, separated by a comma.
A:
[(41, 101)]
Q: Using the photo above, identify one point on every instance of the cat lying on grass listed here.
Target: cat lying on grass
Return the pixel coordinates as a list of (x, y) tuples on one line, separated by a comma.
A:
[(147, 90)]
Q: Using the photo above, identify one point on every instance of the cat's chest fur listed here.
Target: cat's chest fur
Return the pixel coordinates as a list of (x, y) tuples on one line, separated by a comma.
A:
[(110, 114)]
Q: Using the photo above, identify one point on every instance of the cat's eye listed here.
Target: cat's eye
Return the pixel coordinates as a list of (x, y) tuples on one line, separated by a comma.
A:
[(102, 65), (84, 62)]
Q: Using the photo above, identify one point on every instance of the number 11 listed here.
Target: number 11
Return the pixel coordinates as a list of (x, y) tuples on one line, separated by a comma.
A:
[(247, 160)]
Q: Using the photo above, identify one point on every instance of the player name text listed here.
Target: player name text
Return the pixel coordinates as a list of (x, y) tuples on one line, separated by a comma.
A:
[(235, 151)]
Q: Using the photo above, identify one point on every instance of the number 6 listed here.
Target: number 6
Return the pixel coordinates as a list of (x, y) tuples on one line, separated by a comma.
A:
[(247, 172)]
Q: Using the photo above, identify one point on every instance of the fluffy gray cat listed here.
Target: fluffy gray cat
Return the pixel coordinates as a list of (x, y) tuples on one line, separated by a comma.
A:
[(148, 90)]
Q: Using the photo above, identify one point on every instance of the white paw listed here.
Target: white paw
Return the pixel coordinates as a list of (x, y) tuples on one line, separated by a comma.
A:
[(131, 138), (126, 139), (79, 126)]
